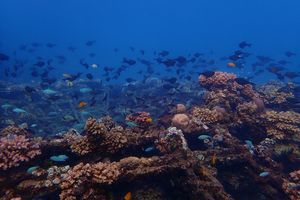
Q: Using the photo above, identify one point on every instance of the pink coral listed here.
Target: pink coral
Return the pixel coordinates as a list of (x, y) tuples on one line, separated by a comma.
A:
[(15, 149)]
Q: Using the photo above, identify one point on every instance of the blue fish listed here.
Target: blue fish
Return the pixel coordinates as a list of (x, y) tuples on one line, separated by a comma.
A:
[(264, 174), (204, 137), (149, 149), (85, 90), (31, 169), (131, 124), (49, 91), (19, 110), (60, 158)]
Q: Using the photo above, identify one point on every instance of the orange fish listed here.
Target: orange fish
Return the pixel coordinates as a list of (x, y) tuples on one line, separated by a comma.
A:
[(127, 196), (214, 159), (82, 104), (231, 64), (149, 120)]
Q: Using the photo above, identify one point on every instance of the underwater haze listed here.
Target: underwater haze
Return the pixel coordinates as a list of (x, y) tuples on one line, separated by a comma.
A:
[(150, 100)]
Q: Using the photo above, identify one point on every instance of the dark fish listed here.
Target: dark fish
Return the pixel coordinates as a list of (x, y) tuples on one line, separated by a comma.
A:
[(171, 80), (50, 45), (283, 62), (34, 73), (72, 77), (4, 57), (142, 52), (83, 63), (169, 62), (129, 80), (289, 54), (242, 81), (163, 53), (92, 55), (208, 74), (72, 49), (181, 60), (89, 76), (292, 75), (244, 44), (29, 89), (90, 43), (132, 49), (40, 63), (275, 69), (35, 44), (264, 59), (129, 61)]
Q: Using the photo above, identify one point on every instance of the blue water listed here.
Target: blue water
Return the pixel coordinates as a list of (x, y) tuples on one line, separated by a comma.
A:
[(212, 27)]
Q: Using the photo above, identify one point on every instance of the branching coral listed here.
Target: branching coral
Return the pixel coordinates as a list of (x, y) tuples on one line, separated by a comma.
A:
[(219, 79), (281, 124), (291, 187), (15, 149), (272, 93)]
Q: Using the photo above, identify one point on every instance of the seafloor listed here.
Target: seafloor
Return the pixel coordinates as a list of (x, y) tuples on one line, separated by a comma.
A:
[(237, 143)]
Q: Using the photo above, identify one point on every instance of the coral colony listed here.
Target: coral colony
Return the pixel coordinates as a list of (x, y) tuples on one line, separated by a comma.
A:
[(233, 145)]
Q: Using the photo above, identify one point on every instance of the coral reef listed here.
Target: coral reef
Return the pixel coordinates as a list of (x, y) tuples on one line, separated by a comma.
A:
[(231, 146), (15, 149)]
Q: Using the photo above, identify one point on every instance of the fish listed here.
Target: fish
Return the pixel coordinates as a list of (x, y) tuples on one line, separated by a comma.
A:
[(59, 158), (72, 49), (128, 196), (89, 76), (289, 54), (90, 43), (264, 174), (49, 91), (83, 63), (244, 44), (85, 90), (6, 106), (243, 81), (149, 149), (129, 61), (19, 110), (213, 159), (131, 124), (50, 45), (40, 63), (208, 74), (204, 137), (71, 77), (4, 57), (82, 104), (31, 169), (29, 89), (94, 65), (231, 64), (163, 53)]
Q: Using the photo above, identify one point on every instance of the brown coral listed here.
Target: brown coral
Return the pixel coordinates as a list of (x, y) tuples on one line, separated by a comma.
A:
[(219, 79), (281, 124)]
